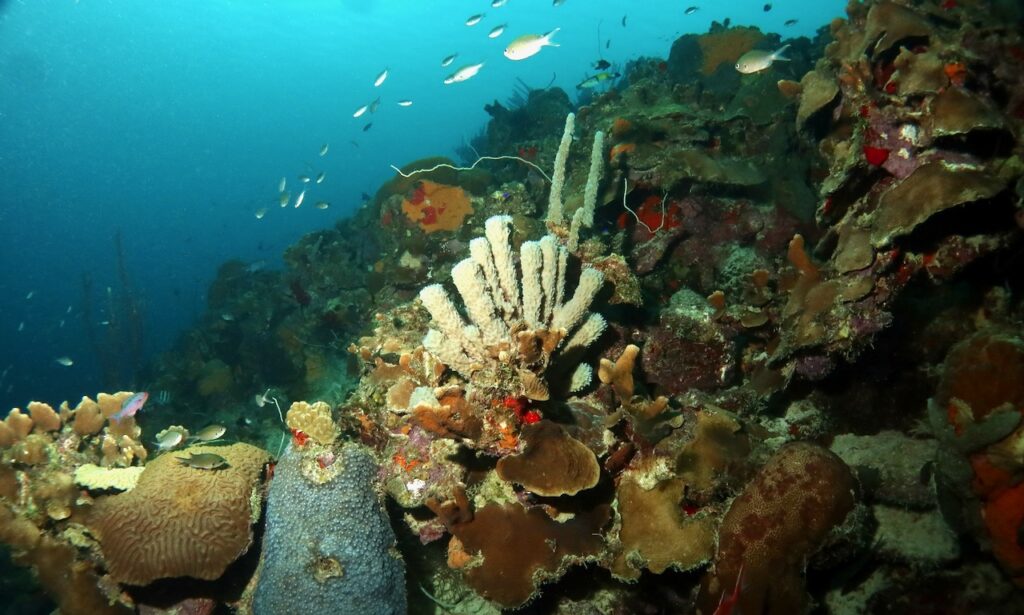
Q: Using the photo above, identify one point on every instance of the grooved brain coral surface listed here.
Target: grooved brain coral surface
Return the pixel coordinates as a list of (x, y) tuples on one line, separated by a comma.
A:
[(328, 548), (180, 521)]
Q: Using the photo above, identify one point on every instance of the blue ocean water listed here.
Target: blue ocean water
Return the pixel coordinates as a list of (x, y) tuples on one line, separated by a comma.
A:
[(170, 124)]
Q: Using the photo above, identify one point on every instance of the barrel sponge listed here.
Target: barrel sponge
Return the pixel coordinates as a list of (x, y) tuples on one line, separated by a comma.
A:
[(328, 548), (780, 519), (180, 521)]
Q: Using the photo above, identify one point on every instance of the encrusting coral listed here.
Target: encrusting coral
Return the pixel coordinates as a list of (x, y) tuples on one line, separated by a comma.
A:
[(519, 317)]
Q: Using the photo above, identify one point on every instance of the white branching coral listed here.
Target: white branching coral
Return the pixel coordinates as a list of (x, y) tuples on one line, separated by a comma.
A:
[(519, 317)]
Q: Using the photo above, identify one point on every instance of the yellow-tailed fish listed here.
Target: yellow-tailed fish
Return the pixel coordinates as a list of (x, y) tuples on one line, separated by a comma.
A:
[(464, 73), (380, 78), (757, 60), (475, 19), (595, 80), (529, 45)]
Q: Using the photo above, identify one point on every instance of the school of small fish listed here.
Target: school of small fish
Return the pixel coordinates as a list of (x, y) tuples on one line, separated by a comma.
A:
[(522, 47)]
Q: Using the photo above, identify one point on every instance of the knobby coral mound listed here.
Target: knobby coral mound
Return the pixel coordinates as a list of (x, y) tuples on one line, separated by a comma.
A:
[(774, 525), (314, 420), (328, 547), (518, 316), (181, 521)]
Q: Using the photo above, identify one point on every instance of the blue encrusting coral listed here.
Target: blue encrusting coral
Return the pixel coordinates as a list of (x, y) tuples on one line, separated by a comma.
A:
[(328, 548)]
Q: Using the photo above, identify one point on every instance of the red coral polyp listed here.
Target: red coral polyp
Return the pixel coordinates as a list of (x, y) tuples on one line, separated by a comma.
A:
[(876, 156)]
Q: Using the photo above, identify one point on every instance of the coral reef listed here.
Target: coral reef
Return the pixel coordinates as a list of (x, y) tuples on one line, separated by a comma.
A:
[(328, 547)]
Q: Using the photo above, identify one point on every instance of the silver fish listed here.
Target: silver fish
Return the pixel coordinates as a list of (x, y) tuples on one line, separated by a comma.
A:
[(323, 149), (360, 111), (322, 205), (209, 433), (300, 198), (320, 177), (466, 72), (380, 78), (405, 103), (757, 60), (497, 31), (262, 211), (448, 60), (474, 19), (281, 185), (65, 361), (284, 198)]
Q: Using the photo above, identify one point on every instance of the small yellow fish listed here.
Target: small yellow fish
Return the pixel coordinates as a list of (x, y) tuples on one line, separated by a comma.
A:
[(262, 211), (65, 361), (757, 60), (529, 45), (204, 461), (210, 432)]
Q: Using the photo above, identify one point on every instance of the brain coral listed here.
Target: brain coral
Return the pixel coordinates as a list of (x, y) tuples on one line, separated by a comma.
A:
[(180, 521), (328, 548)]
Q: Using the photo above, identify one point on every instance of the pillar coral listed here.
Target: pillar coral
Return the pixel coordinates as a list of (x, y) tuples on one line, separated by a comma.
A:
[(437, 207), (774, 525)]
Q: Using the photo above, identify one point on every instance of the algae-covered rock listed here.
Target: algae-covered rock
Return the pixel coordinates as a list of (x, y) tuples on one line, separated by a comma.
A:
[(694, 165)]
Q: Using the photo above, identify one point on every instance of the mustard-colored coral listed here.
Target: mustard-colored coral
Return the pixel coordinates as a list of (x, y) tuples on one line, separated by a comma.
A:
[(44, 418), (437, 207), (92, 476), (88, 420), (180, 521), (726, 46), (314, 420)]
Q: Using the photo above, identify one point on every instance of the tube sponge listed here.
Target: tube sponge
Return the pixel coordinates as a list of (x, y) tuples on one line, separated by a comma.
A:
[(328, 548)]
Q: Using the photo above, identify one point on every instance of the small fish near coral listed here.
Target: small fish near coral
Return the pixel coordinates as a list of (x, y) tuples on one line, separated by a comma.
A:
[(131, 406), (204, 461), (757, 60)]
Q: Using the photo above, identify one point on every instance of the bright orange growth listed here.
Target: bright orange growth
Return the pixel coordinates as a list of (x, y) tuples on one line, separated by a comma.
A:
[(957, 72), (404, 463), (726, 46), (621, 148), (437, 207), (621, 127)]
